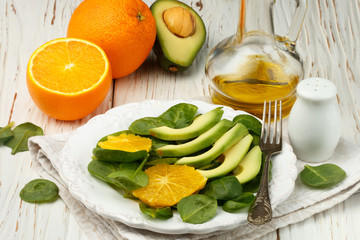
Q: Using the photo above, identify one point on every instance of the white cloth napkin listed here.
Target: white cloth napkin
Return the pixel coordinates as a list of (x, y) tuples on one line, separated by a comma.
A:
[(302, 203)]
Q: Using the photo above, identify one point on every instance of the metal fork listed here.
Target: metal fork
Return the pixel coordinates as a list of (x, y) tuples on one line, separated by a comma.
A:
[(270, 143)]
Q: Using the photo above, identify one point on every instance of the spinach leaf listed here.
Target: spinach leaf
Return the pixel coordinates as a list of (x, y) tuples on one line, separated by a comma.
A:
[(6, 133), (39, 190), (213, 164), (22, 133), (253, 124), (119, 156), (180, 114), (162, 161), (160, 213), (323, 176), (143, 125), (130, 179), (177, 116), (102, 170), (244, 200), (157, 143), (197, 208), (256, 139), (224, 188), (252, 185)]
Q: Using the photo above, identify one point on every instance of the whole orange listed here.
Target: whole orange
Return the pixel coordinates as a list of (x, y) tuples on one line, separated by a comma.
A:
[(68, 78), (125, 29)]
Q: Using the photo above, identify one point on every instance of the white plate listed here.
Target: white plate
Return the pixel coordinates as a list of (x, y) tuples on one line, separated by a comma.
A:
[(104, 200)]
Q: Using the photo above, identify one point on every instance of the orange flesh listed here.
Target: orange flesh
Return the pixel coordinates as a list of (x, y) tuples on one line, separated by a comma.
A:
[(60, 66)]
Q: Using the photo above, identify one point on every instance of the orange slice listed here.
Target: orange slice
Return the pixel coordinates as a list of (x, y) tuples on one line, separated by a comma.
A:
[(126, 142), (168, 184), (68, 78)]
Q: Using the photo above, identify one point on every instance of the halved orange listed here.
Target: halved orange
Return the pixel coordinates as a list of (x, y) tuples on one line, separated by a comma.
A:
[(168, 184), (68, 78)]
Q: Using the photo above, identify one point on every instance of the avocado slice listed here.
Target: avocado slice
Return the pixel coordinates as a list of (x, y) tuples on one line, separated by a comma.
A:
[(200, 125), (250, 166), (180, 34), (203, 141), (232, 136), (232, 158)]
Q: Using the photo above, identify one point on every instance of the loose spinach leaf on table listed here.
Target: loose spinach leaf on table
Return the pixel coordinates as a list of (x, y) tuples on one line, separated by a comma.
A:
[(197, 208), (39, 190), (22, 133), (159, 213), (244, 200), (6, 133), (322, 176)]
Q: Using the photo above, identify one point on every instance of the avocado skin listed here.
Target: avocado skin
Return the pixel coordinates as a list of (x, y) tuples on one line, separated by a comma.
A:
[(166, 59), (165, 63), (203, 141)]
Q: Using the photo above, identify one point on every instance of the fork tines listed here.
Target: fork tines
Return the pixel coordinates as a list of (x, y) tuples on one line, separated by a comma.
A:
[(268, 134)]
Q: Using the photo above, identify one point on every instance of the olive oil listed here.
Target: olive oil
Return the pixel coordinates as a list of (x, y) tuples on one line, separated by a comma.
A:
[(256, 64), (255, 82)]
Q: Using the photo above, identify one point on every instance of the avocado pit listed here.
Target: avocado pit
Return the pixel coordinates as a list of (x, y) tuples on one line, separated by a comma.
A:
[(179, 21)]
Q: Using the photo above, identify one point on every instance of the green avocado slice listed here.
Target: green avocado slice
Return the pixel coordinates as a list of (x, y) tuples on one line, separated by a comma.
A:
[(200, 125), (250, 166), (203, 141), (232, 136), (232, 158)]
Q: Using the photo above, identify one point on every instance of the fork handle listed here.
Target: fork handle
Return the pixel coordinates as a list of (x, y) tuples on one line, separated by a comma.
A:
[(260, 211)]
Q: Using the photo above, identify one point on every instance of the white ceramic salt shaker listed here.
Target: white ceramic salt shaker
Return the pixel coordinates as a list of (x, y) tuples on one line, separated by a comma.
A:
[(314, 124)]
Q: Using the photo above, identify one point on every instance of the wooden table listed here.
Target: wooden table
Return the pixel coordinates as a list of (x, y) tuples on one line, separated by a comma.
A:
[(328, 43)]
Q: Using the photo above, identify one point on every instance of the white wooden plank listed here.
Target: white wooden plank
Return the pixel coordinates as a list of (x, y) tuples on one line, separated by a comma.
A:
[(25, 26), (339, 222)]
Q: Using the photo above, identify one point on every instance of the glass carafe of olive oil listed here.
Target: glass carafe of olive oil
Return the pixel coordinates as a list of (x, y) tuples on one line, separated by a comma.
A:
[(255, 64)]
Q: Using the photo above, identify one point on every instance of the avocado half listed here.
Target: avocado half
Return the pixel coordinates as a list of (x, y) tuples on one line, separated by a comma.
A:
[(180, 34)]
